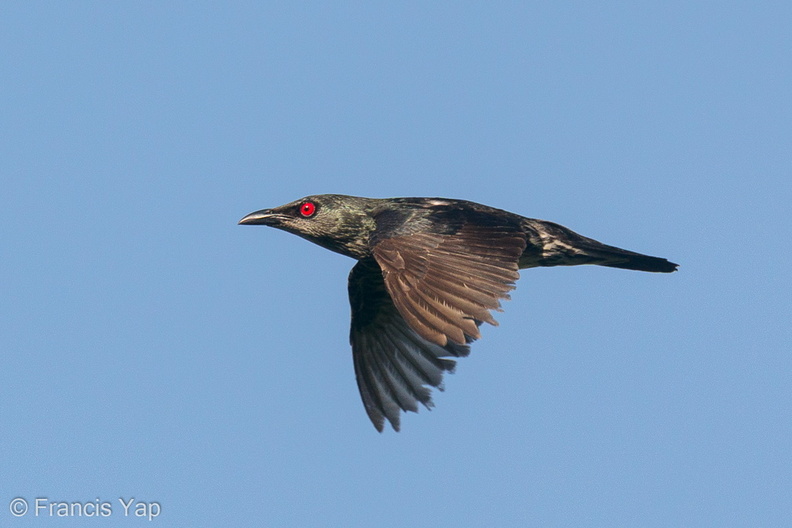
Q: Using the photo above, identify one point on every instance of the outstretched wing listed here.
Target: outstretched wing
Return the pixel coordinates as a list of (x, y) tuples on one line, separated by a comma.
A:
[(445, 278), (394, 366)]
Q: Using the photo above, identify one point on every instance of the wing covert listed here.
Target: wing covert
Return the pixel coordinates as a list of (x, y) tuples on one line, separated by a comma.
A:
[(445, 284)]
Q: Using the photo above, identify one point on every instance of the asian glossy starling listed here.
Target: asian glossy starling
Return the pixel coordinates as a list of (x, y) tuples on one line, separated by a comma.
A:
[(429, 272)]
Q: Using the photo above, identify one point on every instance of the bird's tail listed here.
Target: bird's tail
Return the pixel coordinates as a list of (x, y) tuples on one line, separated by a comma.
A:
[(614, 257), (561, 246)]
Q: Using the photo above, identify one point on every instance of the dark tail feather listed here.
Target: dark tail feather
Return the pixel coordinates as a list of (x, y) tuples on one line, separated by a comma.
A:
[(614, 257), (564, 247)]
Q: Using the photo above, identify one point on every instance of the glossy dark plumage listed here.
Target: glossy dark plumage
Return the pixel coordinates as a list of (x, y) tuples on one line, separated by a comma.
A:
[(429, 272)]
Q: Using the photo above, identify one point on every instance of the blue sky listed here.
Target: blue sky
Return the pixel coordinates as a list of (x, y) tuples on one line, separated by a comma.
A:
[(153, 349)]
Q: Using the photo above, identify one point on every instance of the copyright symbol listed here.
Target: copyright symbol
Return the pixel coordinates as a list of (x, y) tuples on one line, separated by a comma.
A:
[(18, 507)]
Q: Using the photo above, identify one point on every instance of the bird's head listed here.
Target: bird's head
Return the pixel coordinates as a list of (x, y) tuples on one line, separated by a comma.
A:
[(334, 221)]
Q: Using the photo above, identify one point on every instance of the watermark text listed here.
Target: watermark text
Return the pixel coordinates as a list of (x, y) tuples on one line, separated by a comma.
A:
[(124, 507)]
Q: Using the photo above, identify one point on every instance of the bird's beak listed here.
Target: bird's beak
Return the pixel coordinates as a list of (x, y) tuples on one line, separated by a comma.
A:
[(263, 217)]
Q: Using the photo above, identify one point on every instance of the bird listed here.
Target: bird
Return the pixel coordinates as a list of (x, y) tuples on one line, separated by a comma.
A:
[(429, 273)]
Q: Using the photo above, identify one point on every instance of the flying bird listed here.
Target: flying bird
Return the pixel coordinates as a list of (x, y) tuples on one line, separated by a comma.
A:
[(430, 271)]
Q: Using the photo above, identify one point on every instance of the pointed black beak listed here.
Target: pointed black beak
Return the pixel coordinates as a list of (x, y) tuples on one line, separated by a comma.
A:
[(263, 217)]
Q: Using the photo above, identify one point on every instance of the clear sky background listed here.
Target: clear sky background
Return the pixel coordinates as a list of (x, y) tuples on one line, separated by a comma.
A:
[(151, 348)]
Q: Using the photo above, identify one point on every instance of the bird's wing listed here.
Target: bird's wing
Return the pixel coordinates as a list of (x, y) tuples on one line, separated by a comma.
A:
[(445, 281), (394, 366)]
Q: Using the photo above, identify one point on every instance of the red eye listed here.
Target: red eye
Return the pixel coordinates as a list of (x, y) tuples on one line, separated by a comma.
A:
[(307, 209)]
